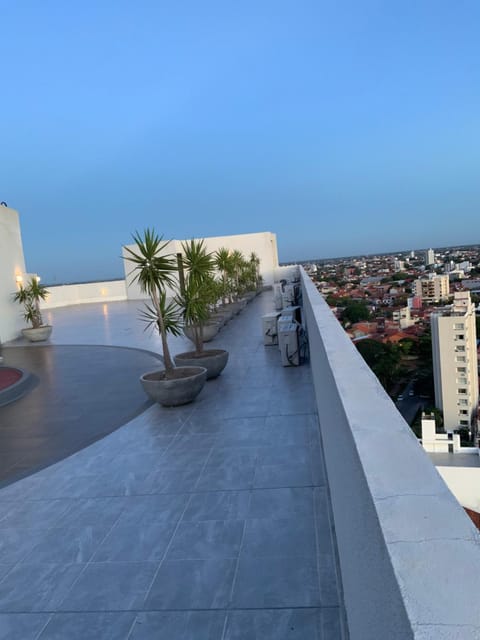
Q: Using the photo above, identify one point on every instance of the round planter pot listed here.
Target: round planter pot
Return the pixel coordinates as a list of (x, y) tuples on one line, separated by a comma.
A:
[(210, 330), (227, 313), (37, 335), (214, 361), (219, 319), (182, 389)]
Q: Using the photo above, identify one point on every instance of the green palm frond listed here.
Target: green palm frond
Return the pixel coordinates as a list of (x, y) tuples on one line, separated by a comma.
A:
[(153, 269)]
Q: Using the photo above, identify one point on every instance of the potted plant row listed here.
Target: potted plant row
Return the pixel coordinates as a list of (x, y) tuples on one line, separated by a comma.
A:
[(194, 308)]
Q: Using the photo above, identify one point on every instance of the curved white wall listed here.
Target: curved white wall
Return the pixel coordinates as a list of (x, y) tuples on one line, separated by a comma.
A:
[(85, 292), (264, 244), (12, 264)]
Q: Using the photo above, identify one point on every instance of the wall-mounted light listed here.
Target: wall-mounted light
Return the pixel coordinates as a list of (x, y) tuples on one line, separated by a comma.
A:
[(18, 279), (37, 278)]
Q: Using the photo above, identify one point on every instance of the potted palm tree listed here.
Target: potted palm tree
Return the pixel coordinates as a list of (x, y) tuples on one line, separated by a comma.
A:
[(198, 296), (155, 271), (30, 296)]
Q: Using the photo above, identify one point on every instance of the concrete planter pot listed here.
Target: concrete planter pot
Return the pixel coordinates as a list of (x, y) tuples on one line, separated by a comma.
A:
[(210, 330), (39, 334), (219, 319), (226, 312), (182, 389), (214, 361)]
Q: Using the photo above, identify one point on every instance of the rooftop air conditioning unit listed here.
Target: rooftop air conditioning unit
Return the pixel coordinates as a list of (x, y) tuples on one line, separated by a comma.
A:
[(270, 329), (288, 344)]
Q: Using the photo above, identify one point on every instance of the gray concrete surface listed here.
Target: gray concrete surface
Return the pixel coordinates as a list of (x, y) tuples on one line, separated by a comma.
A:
[(204, 522)]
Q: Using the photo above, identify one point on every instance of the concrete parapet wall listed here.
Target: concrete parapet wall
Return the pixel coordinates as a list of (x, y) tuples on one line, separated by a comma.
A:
[(67, 294), (407, 551)]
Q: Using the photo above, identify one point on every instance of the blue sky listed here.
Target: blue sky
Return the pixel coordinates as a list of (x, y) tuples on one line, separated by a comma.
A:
[(345, 127)]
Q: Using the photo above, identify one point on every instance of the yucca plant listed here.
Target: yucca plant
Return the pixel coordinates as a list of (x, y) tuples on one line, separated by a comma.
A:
[(224, 264), (30, 297), (155, 272), (200, 291)]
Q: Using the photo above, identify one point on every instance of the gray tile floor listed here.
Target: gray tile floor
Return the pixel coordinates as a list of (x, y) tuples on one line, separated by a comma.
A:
[(203, 522)]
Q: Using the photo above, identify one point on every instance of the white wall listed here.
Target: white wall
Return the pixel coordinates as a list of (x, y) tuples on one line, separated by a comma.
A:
[(12, 264), (464, 483), (264, 244), (67, 294)]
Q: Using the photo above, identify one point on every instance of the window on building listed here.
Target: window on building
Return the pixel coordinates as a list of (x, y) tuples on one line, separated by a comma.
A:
[(459, 348), (462, 390), (463, 412), (459, 326), (461, 369), (464, 423), (461, 359), (461, 381), (462, 402)]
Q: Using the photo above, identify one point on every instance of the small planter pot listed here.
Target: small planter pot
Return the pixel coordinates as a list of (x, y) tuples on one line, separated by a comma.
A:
[(182, 389), (210, 330), (39, 334), (214, 361)]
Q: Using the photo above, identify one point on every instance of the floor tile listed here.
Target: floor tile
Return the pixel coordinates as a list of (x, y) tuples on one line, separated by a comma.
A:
[(110, 586), (134, 543), (285, 624), (86, 626), (139, 510), (177, 625), (290, 502), (279, 538), (22, 626), (282, 475), (38, 587), (218, 505), (67, 545), (276, 582), (192, 584), (234, 476), (209, 539)]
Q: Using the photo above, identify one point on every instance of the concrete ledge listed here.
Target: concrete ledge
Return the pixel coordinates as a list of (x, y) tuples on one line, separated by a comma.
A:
[(409, 556)]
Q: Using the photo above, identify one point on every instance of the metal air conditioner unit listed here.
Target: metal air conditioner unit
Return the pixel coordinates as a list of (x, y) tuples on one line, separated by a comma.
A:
[(270, 330), (288, 344)]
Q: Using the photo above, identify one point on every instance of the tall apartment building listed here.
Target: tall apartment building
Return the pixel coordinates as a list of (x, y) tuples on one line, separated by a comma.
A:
[(432, 289), (429, 257), (455, 367)]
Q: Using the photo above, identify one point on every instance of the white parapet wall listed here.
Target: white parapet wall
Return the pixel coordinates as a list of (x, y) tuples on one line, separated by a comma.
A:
[(264, 244), (85, 292), (407, 551), (12, 266)]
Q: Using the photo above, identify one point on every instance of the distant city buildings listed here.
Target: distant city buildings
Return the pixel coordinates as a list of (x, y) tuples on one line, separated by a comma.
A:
[(435, 288), (455, 362)]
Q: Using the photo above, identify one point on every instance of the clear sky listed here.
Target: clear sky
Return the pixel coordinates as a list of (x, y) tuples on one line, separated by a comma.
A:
[(345, 127)]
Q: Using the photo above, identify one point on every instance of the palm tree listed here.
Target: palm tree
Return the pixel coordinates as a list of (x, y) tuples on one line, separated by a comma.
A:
[(155, 272)]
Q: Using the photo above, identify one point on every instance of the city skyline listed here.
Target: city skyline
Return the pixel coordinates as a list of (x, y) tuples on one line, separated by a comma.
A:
[(346, 130)]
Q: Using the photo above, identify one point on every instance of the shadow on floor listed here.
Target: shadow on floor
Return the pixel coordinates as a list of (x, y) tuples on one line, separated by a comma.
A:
[(82, 394)]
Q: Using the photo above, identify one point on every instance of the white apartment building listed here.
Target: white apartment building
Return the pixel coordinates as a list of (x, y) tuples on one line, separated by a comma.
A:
[(429, 257), (432, 289), (455, 366)]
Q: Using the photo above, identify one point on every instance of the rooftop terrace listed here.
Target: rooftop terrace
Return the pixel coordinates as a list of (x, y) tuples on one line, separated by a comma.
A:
[(208, 521), (233, 517)]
